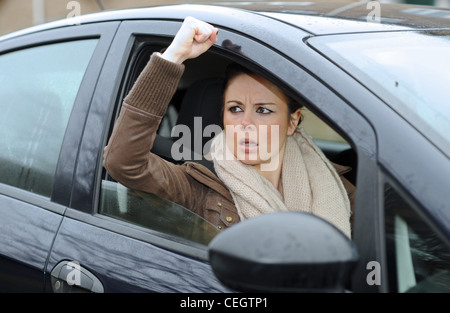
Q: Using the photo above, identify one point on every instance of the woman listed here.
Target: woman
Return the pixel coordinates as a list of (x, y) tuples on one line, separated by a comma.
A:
[(264, 163)]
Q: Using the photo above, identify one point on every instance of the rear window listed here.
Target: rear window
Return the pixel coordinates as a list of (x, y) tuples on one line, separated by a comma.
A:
[(38, 87)]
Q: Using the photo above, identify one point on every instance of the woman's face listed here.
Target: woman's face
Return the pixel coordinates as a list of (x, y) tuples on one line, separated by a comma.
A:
[(256, 119)]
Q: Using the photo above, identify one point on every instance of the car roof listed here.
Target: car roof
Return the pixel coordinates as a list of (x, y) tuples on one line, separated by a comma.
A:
[(324, 17)]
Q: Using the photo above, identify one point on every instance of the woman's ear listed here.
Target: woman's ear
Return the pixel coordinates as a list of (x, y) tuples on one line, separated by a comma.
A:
[(294, 119)]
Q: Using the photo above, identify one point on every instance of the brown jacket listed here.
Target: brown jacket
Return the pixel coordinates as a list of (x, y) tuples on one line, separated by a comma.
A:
[(128, 159)]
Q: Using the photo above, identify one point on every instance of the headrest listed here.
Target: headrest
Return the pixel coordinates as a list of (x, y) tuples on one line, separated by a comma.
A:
[(202, 99)]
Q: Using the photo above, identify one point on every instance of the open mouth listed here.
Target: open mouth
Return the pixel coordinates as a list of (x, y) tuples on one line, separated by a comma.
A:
[(248, 142), (248, 145)]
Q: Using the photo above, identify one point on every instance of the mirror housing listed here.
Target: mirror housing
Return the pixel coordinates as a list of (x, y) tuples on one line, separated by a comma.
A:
[(283, 252)]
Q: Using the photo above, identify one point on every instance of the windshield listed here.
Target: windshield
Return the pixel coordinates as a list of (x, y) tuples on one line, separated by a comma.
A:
[(410, 71)]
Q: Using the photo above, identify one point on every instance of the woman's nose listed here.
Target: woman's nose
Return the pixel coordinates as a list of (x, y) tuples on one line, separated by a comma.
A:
[(247, 120)]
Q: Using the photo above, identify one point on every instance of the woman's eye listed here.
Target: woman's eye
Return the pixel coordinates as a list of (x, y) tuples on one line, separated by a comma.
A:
[(263, 110), (235, 109)]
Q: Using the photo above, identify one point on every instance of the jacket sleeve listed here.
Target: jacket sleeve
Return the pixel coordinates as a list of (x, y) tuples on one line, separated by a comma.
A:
[(127, 156)]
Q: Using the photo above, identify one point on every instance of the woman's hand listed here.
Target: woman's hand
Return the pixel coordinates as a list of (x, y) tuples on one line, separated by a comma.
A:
[(193, 38)]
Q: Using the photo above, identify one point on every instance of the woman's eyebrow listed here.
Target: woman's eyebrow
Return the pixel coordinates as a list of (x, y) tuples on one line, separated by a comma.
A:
[(257, 103), (265, 103), (234, 101)]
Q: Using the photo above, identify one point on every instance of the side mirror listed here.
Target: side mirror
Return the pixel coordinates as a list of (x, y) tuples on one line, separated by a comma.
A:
[(283, 252)]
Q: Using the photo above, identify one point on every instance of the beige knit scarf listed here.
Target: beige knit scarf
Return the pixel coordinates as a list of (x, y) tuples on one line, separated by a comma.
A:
[(310, 183)]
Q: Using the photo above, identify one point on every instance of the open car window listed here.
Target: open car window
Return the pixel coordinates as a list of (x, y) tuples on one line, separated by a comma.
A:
[(160, 216)]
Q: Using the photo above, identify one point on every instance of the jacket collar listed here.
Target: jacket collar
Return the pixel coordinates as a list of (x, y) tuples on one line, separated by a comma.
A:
[(203, 175)]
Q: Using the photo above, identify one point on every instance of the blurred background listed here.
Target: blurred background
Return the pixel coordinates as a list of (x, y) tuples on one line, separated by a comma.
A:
[(19, 14)]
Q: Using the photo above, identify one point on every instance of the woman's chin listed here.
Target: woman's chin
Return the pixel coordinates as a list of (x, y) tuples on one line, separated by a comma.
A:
[(250, 162), (249, 158)]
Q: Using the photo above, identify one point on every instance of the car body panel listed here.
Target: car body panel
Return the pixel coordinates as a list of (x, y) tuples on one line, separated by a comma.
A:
[(27, 234), (124, 264)]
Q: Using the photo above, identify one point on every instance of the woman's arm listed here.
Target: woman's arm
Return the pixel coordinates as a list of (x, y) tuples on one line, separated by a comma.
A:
[(127, 156)]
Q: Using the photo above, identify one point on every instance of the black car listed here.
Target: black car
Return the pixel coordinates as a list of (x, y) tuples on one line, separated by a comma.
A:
[(374, 82)]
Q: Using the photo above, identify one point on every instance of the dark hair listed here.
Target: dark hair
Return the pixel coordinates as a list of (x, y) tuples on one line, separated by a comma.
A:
[(234, 69)]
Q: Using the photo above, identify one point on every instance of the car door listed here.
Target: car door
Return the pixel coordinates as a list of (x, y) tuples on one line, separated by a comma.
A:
[(44, 77)]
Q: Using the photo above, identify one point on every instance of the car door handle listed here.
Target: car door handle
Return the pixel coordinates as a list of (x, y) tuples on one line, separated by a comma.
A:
[(70, 277)]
